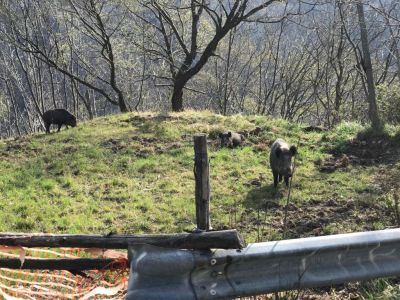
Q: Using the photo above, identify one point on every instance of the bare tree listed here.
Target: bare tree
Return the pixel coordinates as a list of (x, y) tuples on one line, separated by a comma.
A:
[(394, 36), (90, 15), (36, 27), (181, 50), (367, 66)]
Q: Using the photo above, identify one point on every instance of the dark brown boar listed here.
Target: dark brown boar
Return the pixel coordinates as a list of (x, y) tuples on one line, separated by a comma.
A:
[(59, 117), (231, 139), (280, 160)]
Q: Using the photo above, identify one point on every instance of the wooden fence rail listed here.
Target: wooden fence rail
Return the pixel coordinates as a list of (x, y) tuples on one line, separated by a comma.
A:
[(226, 239)]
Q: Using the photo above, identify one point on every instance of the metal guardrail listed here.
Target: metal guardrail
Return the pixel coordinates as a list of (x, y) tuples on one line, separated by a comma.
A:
[(158, 273)]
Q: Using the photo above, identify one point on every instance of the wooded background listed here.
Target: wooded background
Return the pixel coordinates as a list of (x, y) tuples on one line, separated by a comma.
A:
[(301, 61)]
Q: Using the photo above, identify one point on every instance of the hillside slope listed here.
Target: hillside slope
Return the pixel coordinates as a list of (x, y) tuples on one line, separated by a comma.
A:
[(133, 173)]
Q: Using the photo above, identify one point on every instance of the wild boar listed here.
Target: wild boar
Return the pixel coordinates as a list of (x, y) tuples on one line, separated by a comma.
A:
[(59, 117), (280, 160), (231, 139)]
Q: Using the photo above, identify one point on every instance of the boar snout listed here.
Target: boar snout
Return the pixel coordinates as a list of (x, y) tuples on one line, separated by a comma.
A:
[(72, 123), (288, 172)]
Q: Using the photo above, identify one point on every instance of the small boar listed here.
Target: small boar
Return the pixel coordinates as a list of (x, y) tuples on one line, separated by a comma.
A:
[(280, 160), (231, 139), (59, 117)]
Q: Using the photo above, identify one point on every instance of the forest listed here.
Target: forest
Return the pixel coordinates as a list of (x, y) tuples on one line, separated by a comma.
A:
[(317, 62)]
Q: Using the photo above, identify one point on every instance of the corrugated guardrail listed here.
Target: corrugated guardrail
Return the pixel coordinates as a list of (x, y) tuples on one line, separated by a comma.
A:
[(158, 273)]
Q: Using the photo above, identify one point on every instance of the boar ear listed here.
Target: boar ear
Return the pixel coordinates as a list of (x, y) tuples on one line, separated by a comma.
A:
[(229, 134), (293, 150), (278, 152)]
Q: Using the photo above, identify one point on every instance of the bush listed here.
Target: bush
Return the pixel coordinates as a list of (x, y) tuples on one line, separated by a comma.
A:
[(389, 102)]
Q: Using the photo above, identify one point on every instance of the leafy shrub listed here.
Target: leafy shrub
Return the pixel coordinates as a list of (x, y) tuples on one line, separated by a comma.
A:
[(389, 102)]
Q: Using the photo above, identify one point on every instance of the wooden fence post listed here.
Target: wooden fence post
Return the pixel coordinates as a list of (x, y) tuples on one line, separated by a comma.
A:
[(202, 178)]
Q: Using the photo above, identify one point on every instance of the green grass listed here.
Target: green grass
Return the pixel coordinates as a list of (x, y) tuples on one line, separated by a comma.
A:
[(133, 173), (380, 289)]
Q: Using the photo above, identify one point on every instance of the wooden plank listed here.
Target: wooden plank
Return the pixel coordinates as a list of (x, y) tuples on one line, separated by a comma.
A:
[(202, 178), (227, 239)]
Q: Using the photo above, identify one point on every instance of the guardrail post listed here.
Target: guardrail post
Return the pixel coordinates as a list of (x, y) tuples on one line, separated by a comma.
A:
[(202, 178), (160, 273)]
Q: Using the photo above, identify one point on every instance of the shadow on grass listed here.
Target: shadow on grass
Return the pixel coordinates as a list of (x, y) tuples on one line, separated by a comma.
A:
[(149, 124), (264, 197), (369, 147)]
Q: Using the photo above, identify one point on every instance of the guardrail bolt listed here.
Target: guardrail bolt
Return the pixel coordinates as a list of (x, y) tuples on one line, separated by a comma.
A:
[(213, 292), (215, 274), (213, 261)]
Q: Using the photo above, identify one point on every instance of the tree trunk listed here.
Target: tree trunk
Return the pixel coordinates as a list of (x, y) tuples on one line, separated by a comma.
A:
[(376, 123), (121, 103), (177, 96), (227, 67), (86, 102)]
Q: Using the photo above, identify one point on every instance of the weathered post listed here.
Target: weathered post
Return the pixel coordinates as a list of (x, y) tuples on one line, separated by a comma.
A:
[(202, 178)]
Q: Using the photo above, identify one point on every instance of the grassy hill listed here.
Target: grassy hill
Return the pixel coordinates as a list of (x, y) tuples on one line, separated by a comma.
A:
[(133, 173)]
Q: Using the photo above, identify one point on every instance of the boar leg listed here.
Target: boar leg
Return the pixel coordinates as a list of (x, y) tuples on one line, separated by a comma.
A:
[(47, 126), (59, 127), (275, 178), (287, 181), (280, 177)]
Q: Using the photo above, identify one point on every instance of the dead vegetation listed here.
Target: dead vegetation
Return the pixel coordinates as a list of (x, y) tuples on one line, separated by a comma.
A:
[(364, 150)]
